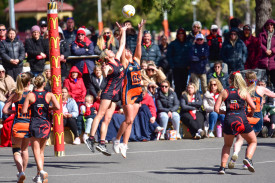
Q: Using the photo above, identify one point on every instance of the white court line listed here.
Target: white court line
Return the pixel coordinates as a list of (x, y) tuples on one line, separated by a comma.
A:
[(134, 171)]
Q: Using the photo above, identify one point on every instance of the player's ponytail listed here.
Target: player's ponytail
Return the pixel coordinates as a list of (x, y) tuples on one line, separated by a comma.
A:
[(251, 77), (239, 83), (22, 81)]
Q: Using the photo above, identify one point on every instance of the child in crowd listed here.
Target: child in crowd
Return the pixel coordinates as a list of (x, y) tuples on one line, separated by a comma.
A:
[(86, 116)]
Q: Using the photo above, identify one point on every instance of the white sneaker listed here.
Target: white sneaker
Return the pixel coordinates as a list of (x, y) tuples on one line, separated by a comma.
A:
[(197, 136), (77, 141), (162, 137), (178, 136), (116, 145), (85, 137), (159, 129), (211, 135), (21, 177), (44, 176), (47, 143), (37, 179), (123, 149)]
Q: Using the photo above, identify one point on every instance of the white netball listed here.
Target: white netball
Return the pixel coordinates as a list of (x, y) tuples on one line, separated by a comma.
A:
[(128, 11)]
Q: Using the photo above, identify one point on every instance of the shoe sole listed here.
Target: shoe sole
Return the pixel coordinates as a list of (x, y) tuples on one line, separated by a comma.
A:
[(103, 152), (22, 178), (250, 168), (91, 149), (221, 172), (232, 162)]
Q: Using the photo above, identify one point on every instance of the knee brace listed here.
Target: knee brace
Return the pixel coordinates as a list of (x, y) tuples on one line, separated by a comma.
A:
[(16, 151)]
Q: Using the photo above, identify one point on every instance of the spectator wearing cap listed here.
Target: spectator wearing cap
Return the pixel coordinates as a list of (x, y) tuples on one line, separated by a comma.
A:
[(3, 32), (234, 52), (196, 29), (12, 52), (214, 41), (43, 28), (199, 58), (70, 33), (83, 46), (150, 51), (7, 85), (178, 56), (267, 41), (253, 52), (47, 75), (37, 50), (65, 51), (106, 41)]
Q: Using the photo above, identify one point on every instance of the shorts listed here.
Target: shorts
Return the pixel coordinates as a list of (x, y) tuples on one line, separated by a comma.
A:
[(111, 96), (21, 130), (258, 126), (40, 128), (132, 96), (235, 124)]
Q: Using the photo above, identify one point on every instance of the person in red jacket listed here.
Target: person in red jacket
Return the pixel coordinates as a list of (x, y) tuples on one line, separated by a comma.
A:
[(75, 85), (253, 48)]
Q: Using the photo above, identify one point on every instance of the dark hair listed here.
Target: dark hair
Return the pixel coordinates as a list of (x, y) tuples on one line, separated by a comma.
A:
[(11, 29), (218, 63), (128, 21), (235, 22), (39, 80), (165, 81)]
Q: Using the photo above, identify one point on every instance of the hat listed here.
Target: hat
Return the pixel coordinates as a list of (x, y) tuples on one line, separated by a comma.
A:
[(26, 69), (246, 27), (43, 22), (47, 66), (199, 36), (35, 28), (2, 68), (88, 32), (81, 30), (214, 27)]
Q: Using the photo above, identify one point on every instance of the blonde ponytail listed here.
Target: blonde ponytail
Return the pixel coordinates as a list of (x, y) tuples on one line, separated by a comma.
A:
[(22, 81), (251, 78), (239, 83)]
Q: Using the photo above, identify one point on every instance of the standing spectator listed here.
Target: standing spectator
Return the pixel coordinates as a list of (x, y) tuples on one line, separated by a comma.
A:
[(7, 85), (131, 36), (253, 45), (37, 50), (47, 76), (234, 23), (93, 36), (178, 56), (214, 41), (70, 33), (209, 100), (12, 52), (267, 40), (75, 85), (152, 74), (219, 74), (83, 46), (200, 53), (106, 41), (150, 51), (191, 113), (234, 52), (43, 28), (196, 29), (98, 82), (64, 53), (167, 106), (3, 32)]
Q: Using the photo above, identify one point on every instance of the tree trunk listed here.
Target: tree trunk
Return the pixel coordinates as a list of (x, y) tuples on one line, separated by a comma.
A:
[(218, 16), (263, 13), (247, 13)]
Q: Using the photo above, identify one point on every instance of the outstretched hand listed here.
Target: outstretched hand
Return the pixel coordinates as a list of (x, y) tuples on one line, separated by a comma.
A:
[(140, 25), (121, 28)]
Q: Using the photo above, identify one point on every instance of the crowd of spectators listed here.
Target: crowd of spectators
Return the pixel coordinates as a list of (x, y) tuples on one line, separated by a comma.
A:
[(181, 79)]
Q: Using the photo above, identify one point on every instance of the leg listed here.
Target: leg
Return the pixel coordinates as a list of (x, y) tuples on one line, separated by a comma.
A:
[(189, 121), (71, 122), (1, 108), (89, 122), (213, 117), (176, 121), (25, 152), (228, 141), (203, 82), (17, 156), (163, 119), (252, 143), (238, 144), (107, 118), (180, 80)]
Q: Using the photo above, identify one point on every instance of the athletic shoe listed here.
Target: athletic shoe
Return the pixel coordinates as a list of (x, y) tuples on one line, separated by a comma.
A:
[(116, 144), (221, 170), (249, 164), (202, 133), (102, 148), (123, 149), (178, 136), (77, 141), (197, 136), (85, 137), (158, 136), (21, 177), (232, 162), (90, 144), (37, 179), (162, 137), (44, 176), (245, 167), (211, 135), (159, 129), (265, 132)]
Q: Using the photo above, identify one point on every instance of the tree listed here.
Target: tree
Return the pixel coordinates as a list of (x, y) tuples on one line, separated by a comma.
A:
[(263, 13)]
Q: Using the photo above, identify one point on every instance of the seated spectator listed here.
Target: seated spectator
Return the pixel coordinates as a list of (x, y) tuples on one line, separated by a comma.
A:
[(191, 112), (12, 52), (144, 65), (209, 100), (70, 114), (83, 46), (199, 58), (152, 90), (223, 77), (75, 85), (150, 51), (7, 85), (98, 82), (196, 29), (106, 41), (152, 74), (37, 50), (167, 106), (48, 78), (214, 41)]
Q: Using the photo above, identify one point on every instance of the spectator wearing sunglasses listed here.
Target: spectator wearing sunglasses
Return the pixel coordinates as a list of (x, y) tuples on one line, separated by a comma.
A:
[(214, 41), (3, 32), (106, 41), (43, 28), (70, 33), (152, 74), (234, 52)]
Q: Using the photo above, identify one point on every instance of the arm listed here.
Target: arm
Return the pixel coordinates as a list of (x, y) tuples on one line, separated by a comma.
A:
[(244, 52), (263, 47), (92, 89), (158, 55), (122, 43), (21, 52), (3, 54), (198, 101), (105, 70), (74, 111), (67, 51), (56, 105), (219, 102), (160, 106), (26, 103), (97, 50), (160, 76), (176, 103), (267, 92), (250, 102), (9, 103), (170, 54), (138, 50), (184, 105), (29, 49), (46, 47), (90, 49), (77, 51), (206, 106)]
